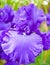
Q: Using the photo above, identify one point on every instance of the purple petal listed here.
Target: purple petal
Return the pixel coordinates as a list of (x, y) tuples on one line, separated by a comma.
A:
[(22, 48), (45, 39), (6, 17), (29, 17), (48, 19), (4, 26)]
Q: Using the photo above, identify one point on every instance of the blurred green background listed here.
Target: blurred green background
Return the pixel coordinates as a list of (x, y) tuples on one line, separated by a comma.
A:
[(44, 57)]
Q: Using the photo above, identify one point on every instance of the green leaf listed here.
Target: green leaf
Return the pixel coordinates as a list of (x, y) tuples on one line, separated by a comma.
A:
[(2, 3), (16, 5), (38, 2), (48, 60), (9, 1)]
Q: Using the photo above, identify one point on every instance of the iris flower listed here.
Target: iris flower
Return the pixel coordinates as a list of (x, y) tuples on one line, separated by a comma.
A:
[(21, 43)]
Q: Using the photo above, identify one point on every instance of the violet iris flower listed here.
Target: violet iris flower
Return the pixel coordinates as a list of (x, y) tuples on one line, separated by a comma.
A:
[(21, 44), (21, 48), (6, 17), (28, 18)]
